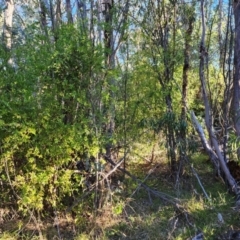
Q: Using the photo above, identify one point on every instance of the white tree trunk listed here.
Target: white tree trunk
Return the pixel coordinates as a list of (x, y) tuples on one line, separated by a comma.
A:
[(7, 27), (208, 113), (216, 157)]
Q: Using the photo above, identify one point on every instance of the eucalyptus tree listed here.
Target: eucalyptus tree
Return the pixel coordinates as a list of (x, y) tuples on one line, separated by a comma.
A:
[(226, 48), (188, 19), (162, 17), (7, 28), (112, 24), (236, 81), (208, 110), (69, 11), (43, 16), (216, 146)]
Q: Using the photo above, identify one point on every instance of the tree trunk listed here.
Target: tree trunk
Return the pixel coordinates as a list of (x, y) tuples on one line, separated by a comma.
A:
[(43, 17), (110, 64), (58, 14), (69, 11), (52, 15), (108, 32), (208, 112), (236, 79), (171, 139), (82, 13), (226, 52), (7, 28), (186, 68)]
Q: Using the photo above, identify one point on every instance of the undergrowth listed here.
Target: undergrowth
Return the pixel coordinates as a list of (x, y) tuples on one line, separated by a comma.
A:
[(132, 213)]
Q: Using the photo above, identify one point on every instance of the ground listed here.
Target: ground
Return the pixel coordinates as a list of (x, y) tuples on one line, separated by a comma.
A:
[(132, 213)]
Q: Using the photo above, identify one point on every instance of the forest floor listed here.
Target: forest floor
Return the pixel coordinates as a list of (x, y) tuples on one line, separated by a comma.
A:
[(133, 213)]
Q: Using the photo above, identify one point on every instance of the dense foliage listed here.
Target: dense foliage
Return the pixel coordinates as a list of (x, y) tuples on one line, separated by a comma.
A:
[(80, 83)]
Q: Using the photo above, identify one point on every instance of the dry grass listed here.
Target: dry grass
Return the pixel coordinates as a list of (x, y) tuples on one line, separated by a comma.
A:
[(131, 214)]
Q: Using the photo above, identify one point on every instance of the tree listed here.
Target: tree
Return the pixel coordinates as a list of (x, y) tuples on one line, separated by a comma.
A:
[(7, 28), (108, 6), (69, 11), (89, 76), (188, 19), (216, 157), (236, 79)]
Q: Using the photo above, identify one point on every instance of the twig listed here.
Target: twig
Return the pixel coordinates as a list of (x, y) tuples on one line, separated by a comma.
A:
[(18, 197), (161, 195), (56, 223), (144, 180), (199, 182), (93, 186), (198, 179)]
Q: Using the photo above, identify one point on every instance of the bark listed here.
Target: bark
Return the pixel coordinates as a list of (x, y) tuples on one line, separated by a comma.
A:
[(108, 33), (110, 64), (99, 28), (203, 56), (168, 56), (186, 68), (52, 15), (226, 56), (69, 11), (43, 16), (91, 28), (58, 13), (220, 12), (216, 158), (236, 80), (82, 13), (171, 139), (212, 155), (7, 27)]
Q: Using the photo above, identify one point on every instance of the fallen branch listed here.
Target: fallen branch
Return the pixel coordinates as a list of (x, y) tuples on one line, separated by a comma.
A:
[(215, 157), (199, 181), (145, 179), (161, 195), (212, 155)]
